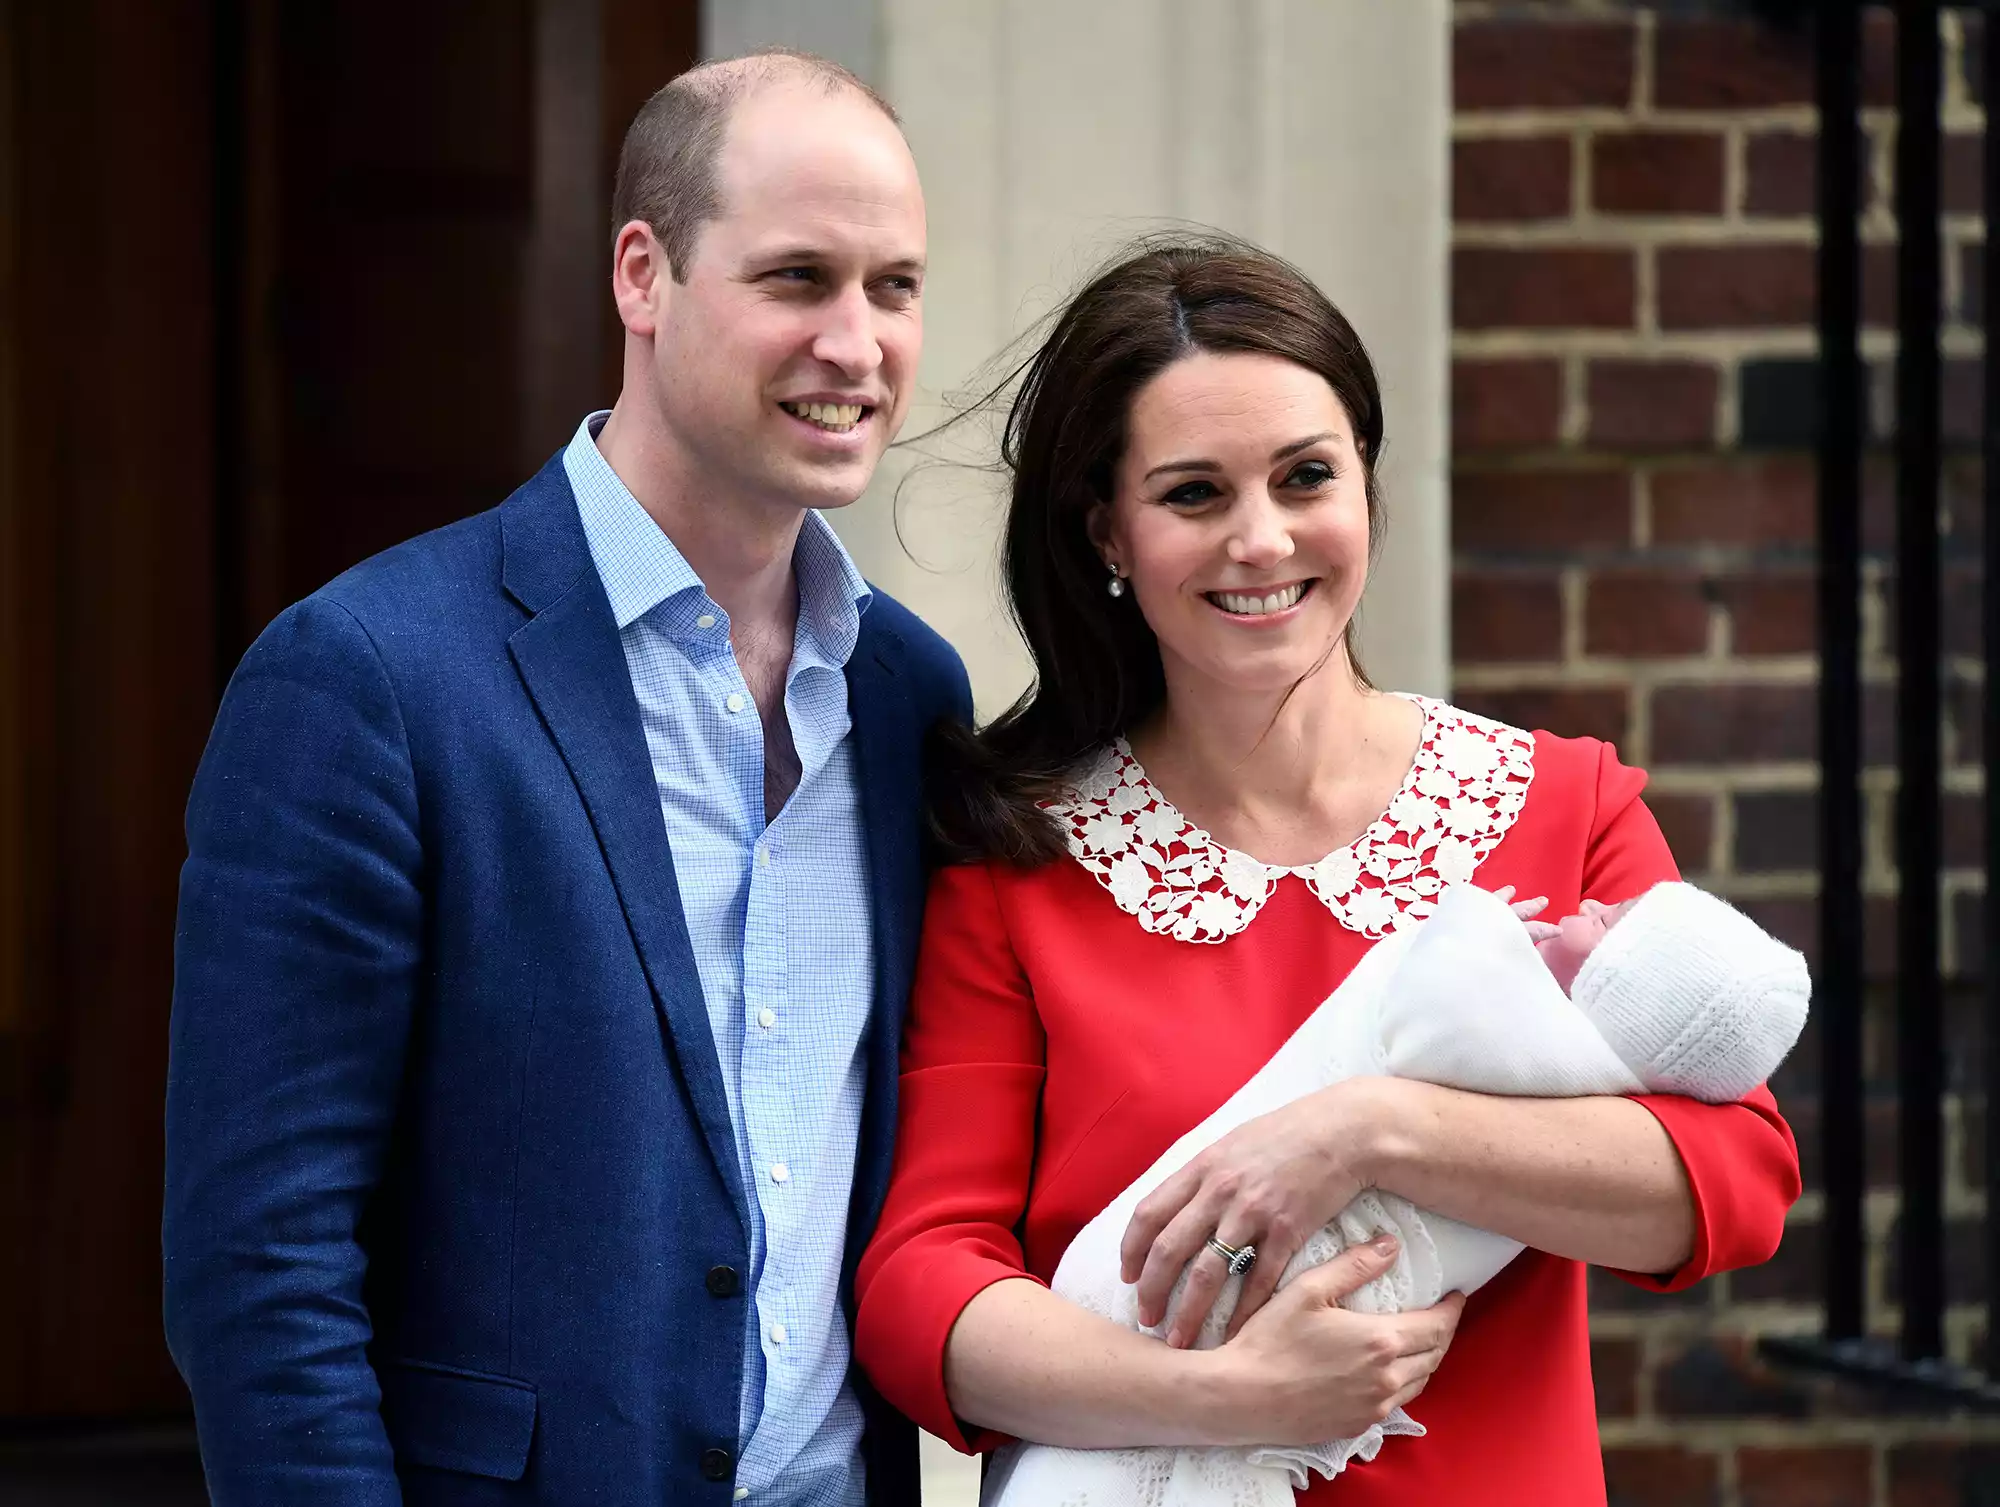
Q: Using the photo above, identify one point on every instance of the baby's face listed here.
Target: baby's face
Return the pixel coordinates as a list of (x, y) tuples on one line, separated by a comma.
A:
[(1577, 936)]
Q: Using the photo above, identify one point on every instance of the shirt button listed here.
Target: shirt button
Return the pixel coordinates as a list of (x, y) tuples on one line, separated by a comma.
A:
[(742, 1494), (777, 1334), (767, 1017), (735, 702), (780, 1173), (706, 620), (764, 857)]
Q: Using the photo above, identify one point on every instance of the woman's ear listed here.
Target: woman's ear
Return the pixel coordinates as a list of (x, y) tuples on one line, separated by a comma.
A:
[(1097, 528)]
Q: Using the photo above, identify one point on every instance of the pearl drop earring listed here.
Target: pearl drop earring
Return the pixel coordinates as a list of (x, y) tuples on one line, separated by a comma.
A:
[(1116, 586)]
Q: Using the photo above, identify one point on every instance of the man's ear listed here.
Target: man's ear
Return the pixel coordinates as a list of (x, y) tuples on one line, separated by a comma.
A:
[(641, 279)]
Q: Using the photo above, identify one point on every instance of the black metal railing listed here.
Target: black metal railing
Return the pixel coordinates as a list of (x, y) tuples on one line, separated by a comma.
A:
[(1917, 1358)]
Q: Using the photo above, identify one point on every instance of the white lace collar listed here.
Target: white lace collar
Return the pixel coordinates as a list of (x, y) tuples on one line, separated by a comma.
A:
[(1466, 786)]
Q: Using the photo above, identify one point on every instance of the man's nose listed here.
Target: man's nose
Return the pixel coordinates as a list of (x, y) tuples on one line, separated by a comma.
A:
[(846, 335)]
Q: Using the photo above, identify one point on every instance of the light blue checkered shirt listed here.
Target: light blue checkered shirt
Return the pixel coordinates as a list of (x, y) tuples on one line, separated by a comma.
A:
[(779, 918)]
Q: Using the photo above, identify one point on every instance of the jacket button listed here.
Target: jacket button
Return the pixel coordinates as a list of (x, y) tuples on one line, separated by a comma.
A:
[(723, 1282), (716, 1464)]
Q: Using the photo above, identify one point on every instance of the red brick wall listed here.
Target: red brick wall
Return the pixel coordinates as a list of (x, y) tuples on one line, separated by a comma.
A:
[(1633, 404)]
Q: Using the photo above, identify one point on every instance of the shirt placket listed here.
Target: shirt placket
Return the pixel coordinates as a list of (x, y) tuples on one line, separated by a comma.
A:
[(771, 1147), (764, 1168), (775, 1151)]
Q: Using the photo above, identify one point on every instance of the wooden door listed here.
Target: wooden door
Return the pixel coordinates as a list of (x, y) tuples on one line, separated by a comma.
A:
[(280, 284), (106, 533), (428, 298)]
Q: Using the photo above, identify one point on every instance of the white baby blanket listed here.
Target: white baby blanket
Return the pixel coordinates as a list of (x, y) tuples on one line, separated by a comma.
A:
[(1461, 1000)]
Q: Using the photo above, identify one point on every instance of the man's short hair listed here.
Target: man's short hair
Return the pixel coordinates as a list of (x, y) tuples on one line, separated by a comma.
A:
[(668, 166)]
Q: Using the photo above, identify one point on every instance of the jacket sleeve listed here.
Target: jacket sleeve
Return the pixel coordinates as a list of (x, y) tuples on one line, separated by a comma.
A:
[(295, 970), (973, 1064), (1742, 1163)]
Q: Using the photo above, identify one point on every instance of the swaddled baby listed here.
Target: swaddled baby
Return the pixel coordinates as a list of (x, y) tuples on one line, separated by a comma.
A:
[(1673, 991)]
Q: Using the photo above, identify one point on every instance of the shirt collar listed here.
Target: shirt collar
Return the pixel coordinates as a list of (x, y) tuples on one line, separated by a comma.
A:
[(641, 568)]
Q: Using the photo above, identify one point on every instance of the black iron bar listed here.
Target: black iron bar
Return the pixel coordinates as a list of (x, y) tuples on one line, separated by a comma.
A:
[(1990, 594), (1837, 990), (1919, 1035)]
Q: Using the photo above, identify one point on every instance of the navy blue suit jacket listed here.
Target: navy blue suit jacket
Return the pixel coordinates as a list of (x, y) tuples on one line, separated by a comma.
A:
[(452, 1214)]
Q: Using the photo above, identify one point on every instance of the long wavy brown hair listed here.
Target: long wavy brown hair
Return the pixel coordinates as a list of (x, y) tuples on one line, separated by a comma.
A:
[(1097, 664)]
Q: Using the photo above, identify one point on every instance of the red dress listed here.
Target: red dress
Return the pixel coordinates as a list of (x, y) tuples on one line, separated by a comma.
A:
[(1061, 1036)]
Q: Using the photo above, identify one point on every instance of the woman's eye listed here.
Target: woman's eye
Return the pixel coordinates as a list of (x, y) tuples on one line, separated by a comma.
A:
[(1192, 492), (1311, 473)]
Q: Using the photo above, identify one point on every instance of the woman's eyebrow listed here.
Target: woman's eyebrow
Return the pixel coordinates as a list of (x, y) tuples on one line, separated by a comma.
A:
[(1182, 465), (1277, 455), (1296, 446)]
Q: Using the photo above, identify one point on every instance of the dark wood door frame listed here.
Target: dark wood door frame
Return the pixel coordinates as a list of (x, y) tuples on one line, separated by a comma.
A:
[(105, 513), (151, 503)]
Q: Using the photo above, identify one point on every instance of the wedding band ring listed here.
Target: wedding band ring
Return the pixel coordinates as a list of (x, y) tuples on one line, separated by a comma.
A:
[(1239, 1258)]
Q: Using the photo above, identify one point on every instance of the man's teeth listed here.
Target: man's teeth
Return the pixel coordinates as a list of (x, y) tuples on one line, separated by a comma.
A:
[(1277, 601), (826, 415)]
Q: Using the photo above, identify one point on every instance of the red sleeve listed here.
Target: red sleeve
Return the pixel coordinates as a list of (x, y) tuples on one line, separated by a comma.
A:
[(973, 1062), (1742, 1163), (1626, 854)]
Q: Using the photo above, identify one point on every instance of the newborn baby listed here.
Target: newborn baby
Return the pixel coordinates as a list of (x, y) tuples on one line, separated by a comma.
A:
[(1673, 991), (1566, 944)]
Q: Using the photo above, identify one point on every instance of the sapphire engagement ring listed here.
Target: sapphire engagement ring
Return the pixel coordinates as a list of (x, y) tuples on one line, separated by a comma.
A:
[(1239, 1258)]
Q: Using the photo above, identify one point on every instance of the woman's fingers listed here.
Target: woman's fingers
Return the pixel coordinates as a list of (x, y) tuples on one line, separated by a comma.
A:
[(1408, 1393), (1276, 1246), (1353, 1269), (1152, 1216), (1426, 1344), (1205, 1276), (1261, 1282), (1172, 1249), (1428, 1329)]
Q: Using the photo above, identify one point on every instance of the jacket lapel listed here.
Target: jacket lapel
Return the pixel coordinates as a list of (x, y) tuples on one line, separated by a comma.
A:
[(573, 664), (889, 764)]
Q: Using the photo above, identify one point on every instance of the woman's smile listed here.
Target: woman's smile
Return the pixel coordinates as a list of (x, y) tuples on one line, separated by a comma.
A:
[(1262, 606)]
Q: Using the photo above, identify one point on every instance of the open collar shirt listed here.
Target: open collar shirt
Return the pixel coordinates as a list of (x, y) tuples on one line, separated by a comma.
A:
[(778, 914)]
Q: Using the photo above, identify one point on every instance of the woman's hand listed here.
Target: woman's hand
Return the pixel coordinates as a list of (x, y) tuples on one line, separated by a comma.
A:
[(1269, 1183), (1028, 1363), (1307, 1370)]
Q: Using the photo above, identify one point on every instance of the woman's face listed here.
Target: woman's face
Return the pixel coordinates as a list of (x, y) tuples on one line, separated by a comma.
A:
[(1240, 519)]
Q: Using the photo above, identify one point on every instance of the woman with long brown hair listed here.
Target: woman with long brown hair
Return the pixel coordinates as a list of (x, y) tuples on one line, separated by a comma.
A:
[(1180, 840)]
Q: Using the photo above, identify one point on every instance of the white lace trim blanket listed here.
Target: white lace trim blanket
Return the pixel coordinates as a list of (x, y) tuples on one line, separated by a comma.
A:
[(1461, 1000)]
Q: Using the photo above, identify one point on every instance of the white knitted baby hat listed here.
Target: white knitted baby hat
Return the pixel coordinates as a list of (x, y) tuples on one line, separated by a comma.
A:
[(1694, 995)]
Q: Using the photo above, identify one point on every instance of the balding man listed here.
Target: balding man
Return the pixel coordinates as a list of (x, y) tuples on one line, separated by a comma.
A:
[(552, 891)]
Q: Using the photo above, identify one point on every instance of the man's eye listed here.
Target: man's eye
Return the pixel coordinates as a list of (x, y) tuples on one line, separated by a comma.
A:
[(796, 274)]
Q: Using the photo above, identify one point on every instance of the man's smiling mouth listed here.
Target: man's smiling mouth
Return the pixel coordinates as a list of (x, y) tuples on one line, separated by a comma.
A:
[(835, 417)]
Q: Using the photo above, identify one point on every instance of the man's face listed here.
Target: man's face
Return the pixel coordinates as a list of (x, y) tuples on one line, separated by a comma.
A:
[(784, 364)]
